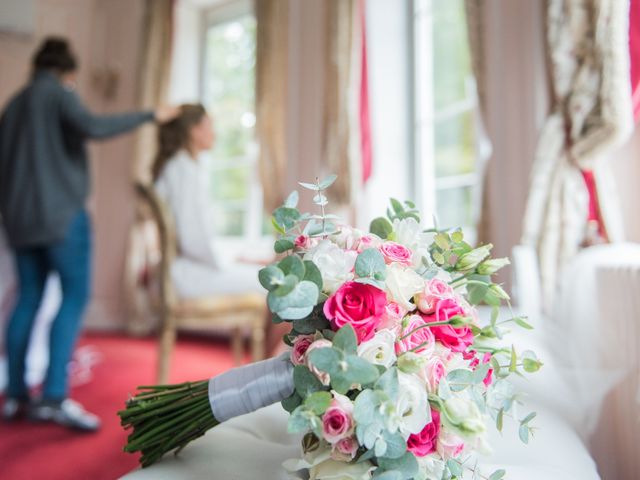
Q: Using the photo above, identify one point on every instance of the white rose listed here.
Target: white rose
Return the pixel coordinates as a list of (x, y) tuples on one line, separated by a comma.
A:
[(402, 284), (380, 350), (464, 416), (322, 467), (431, 467), (412, 405), (333, 470), (334, 264), (348, 237)]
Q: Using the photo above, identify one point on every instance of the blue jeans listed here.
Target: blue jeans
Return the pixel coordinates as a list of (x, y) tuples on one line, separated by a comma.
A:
[(70, 258)]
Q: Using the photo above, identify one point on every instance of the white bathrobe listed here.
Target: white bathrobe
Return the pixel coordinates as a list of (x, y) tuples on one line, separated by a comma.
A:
[(199, 269)]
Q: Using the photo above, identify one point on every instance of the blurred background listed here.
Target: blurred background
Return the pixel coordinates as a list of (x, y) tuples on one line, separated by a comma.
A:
[(513, 120)]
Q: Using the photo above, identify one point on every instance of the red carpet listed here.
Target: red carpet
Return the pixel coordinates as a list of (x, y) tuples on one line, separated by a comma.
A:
[(49, 452)]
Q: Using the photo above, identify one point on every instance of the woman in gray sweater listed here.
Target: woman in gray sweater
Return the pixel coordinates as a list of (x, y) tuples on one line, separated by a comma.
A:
[(44, 183)]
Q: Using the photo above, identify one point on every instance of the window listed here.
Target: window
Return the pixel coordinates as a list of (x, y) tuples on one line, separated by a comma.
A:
[(228, 92), (445, 123)]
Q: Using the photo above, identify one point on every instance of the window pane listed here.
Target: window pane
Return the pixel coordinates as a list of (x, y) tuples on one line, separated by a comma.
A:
[(451, 58), (455, 145), (455, 207), (230, 183), (229, 84), (229, 221)]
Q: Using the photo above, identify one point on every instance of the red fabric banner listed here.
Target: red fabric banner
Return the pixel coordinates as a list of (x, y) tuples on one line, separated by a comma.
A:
[(365, 120), (634, 55)]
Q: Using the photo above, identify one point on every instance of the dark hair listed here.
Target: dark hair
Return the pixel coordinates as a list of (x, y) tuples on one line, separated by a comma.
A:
[(174, 135), (55, 54)]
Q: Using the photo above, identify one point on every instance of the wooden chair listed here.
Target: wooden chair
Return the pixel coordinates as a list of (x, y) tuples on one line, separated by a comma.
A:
[(235, 312)]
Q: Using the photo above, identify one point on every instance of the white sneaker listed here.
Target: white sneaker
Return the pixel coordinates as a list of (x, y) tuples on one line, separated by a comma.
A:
[(68, 413), (12, 409)]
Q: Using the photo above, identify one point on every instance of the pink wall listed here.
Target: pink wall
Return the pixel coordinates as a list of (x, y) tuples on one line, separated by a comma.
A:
[(104, 34)]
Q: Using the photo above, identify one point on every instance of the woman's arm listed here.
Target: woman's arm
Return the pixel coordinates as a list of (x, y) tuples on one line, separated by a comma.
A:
[(82, 120)]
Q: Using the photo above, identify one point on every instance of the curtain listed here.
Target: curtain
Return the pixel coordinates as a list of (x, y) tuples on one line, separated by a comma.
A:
[(588, 61), (338, 125), (153, 77), (272, 84)]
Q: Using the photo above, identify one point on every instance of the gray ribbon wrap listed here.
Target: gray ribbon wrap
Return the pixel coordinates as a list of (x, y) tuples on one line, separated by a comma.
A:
[(246, 389)]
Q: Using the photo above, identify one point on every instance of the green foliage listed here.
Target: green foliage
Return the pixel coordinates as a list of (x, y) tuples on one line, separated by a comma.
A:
[(282, 245), (400, 211), (370, 264), (381, 227), (305, 382)]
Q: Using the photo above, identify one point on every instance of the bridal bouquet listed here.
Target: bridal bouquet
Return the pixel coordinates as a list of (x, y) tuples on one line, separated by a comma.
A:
[(390, 373)]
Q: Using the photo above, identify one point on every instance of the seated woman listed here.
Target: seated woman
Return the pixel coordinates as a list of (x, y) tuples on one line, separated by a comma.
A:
[(181, 180)]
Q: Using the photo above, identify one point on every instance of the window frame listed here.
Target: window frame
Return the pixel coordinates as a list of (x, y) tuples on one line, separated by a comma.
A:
[(426, 118), (213, 16)]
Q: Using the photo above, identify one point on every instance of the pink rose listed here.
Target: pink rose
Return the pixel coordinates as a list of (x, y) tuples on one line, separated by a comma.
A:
[(486, 358), (337, 421), (344, 450), (303, 242), (456, 339), (434, 370), (396, 253), (367, 241), (434, 291), (449, 445), (300, 346), (415, 336), (393, 314), (424, 443), (357, 304), (324, 377), (489, 377)]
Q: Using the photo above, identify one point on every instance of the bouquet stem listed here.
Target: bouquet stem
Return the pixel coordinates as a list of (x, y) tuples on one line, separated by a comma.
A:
[(165, 418)]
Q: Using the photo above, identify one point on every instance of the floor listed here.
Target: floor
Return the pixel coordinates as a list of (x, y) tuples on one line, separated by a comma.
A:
[(106, 371)]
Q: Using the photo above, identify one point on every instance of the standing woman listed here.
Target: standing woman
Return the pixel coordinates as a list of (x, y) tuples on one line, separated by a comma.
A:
[(44, 183)]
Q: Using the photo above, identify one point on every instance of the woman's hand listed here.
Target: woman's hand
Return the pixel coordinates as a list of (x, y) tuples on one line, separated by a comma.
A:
[(166, 113)]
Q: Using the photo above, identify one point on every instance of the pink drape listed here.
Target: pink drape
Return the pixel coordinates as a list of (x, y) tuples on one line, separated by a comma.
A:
[(365, 121), (634, 53)]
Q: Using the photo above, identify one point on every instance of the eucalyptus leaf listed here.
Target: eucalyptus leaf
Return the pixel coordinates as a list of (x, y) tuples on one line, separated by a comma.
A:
[(270, 277), (345, 339), (309, 186), (320, 200), (407, 465), (360, 370), (286, 217), (325, 359), (318, 402), (282, 245), (286, 286), (292, 265), (396, 444), (292, 402), (305, 382), (499, 419), (369, 263), (497, 475), (381, 227), (523, 433), (523, 323), (312, 273), (297, 304), (292, 200), (327, 181)]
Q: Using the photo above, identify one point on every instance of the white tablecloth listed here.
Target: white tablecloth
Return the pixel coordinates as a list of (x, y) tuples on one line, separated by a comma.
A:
[(255, 445)]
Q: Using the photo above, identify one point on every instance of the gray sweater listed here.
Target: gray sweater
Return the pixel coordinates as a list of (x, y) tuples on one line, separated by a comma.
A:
[(44, 174)]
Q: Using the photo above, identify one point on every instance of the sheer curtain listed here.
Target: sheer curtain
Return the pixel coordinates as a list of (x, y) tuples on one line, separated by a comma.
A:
[(272, 86), (588, 59), (153, 77)]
